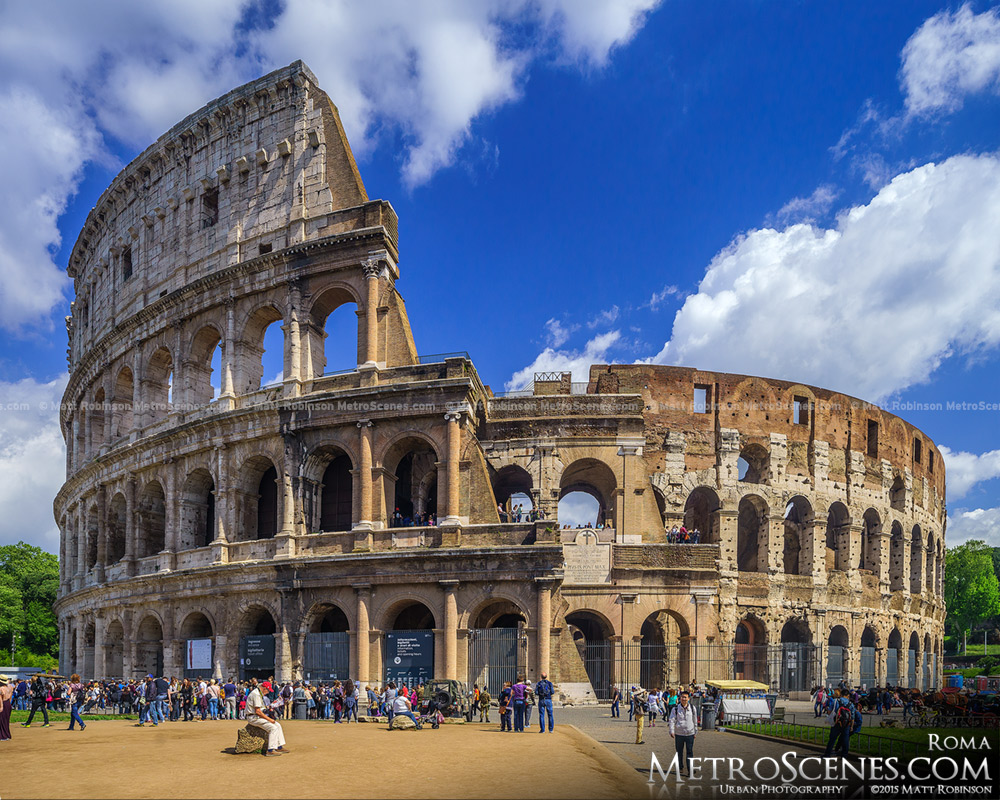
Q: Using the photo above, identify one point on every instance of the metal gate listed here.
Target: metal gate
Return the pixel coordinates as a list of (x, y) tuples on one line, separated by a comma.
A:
[(496, 655), (892, 666), (927, 672), (328, 656), (599, 662), (868, 667), (911, 669), (934, 672), (834, 665), (797, 666)]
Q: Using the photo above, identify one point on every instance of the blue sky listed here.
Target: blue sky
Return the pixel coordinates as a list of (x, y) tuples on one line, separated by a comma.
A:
[(803, 191)]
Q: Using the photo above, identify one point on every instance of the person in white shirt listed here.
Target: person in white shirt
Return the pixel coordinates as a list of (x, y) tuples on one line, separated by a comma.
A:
[(259, 716), (401, 708), (683, 727)]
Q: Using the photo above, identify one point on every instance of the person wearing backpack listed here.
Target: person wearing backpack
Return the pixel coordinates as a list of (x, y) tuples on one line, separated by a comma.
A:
[(544, 690), (78, 696), (843, 722)]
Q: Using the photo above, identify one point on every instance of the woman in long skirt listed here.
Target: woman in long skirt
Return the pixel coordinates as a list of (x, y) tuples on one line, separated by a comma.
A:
[(6, 692)]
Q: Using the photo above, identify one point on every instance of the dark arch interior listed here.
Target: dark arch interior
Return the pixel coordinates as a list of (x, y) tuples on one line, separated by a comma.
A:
[(839, 637), (588, 626), (260, 623), (335, 506), (196, 626), (868, 638), (333, 621), (499, 614), (511, 480), (795, 631), (415, 617), (267, 505)]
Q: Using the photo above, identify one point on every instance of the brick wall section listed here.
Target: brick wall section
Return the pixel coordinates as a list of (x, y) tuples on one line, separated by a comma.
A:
[(665, 556)]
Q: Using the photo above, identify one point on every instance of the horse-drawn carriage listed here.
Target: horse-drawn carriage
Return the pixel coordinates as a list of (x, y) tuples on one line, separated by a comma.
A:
[(949, 708)]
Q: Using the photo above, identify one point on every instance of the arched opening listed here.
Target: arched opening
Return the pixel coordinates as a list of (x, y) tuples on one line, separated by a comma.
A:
[(197, 510), (82, 445), (929, 667), (869, 644), (257, 628), (579, 510), (701, 514), (837, 651), (198, 639), (897, 494), (204, 368), (871, 546), (512, 488), (159, 384), (114, 650), (89, 640), (497, 645), (916, 559), (595, 478), (751, 534), (896, 557), (93, 533), (413, 617), (664, 652), (411, 492), (798, 662), (798, 537), (328, 645), (260, 499), (592, 636), (116, 530), (912, 654), (754, 464), (838, 538), (929, 571), (335, 333), (892, 658), (121, 407), (336, 500), (97, 417), (750, 651), (149, 647), (263, 346), (151, 528)]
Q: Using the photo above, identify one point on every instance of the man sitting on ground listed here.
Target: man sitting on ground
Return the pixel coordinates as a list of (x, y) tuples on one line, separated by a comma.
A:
[(258, 715)]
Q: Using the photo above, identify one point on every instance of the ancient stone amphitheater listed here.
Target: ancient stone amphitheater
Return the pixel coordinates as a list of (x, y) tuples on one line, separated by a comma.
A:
[(214, 525)]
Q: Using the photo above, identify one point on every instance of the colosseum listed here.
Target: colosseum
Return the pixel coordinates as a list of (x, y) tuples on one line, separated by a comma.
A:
[(358, 521)]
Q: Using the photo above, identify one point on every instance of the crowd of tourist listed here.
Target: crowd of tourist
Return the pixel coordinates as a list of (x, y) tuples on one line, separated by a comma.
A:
[(682, 535), (418, 520)]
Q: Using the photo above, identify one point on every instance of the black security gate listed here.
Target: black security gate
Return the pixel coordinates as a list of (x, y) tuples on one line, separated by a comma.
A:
[(327, 656), (599, 662), (496, 655), (834, 665), (868, 667), (911, 669), (797, 666)]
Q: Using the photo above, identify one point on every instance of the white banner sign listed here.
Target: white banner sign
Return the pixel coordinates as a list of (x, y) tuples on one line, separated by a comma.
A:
[(199, 654)]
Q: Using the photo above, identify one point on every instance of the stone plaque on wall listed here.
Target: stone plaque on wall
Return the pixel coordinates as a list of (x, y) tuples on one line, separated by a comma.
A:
[(586, 561)]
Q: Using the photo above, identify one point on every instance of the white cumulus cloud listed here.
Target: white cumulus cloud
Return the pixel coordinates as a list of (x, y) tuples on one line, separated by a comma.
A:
[(870, 306), (32, 461), (953, 54), (576, 361), (965, 470), (979, 523)]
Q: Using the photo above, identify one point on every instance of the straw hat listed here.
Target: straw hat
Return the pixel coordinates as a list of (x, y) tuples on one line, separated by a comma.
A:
[(4, 679)]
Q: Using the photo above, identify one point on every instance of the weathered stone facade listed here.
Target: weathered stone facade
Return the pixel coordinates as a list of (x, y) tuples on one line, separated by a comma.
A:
[(267, 510)]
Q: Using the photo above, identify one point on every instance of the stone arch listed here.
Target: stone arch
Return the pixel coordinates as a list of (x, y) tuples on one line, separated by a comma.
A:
[(409, 613), (252, 345), (490, 594), (198, 368), (510, 480), (750, 650), (197, 523), (796, 631), (151, 528), (256, 618), (916, 560), (158, 384), (327, 302), (261, 498), (928, 577), (149, 644), (407, 459), (839, 637), (590, 624), (897, 494), (122, 420), (114, 649), (197, 624), (499, 613), (838, 537), (333, 501), (798, 537), (326, 616), (871, 542), (117, 527), (594, 477), (93, 534), (752, 534), (755, 464), (702, 512), (664, 650)]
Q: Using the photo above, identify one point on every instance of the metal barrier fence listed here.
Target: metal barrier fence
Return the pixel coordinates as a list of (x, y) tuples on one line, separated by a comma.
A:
[(496, 655), (861, 742)]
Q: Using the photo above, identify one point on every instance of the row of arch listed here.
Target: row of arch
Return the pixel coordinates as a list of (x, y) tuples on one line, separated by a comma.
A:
[(193, 369)]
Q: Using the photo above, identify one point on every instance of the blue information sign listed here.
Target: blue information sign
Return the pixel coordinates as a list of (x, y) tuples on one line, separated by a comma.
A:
[(409, 657)]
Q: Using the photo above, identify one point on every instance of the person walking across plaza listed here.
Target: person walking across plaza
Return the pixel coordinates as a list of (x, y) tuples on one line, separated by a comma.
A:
[(544, 690), (6, 704), (843, 718), (259, 716), (77, 697), (640, 697), (683, 724), (39, 702)]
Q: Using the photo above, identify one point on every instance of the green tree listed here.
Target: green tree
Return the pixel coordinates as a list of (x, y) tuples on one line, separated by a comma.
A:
[(29, 583), (971, 588)]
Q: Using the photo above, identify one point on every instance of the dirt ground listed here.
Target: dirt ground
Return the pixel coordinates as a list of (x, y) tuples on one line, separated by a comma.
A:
[(116, 759)]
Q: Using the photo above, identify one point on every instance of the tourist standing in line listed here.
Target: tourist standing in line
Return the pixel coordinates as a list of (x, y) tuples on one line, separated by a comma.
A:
[(544, 690), (529, 702), (78, 696), (517, 692), (161, 694), (39, 693), (6, 704), (187, 700), (213, 699), (616, 699), (350, 701), (230, 690), (683, 726), (505, 700)]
